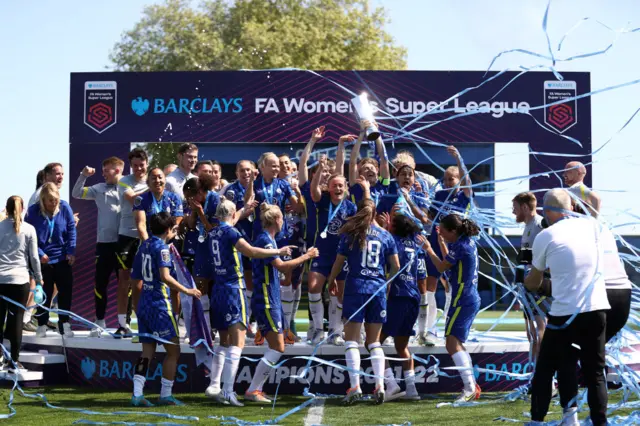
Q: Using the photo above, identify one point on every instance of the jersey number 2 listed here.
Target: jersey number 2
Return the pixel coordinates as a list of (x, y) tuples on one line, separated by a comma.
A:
[(147, 271), (371, 256)]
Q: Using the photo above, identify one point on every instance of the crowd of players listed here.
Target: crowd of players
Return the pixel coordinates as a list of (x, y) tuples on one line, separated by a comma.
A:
[(249, 243)]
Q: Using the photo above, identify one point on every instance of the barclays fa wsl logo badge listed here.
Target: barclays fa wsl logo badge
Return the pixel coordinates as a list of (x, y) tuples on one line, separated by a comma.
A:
[(100, 101), (561, 114), (140, 106)]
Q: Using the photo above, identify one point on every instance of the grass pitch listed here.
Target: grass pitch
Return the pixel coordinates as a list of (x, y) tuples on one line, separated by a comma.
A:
[(33, 412)]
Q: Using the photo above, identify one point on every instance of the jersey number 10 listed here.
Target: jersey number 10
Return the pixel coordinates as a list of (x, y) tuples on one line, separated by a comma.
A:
[(147, 271), (371, 256)]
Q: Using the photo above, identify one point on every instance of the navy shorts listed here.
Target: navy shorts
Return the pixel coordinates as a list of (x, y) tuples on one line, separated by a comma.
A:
[(375, 312), (157, 321), (228, 306), (268, 319), (432, 271), (460, 320), (203, 261), (402, 314), (323, 265), (422, 266)]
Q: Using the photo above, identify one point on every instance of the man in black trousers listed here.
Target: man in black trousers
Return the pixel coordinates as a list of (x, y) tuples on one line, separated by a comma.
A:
[(571, 249)]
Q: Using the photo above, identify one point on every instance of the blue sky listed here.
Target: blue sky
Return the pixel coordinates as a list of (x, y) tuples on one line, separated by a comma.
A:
[(45, 41)]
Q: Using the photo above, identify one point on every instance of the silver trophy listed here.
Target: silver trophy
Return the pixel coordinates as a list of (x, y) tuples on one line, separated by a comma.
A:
[(365, 112)]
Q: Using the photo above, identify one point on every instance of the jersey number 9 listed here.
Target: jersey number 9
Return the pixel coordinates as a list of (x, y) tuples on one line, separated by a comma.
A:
[(371, 256), (216, 252)]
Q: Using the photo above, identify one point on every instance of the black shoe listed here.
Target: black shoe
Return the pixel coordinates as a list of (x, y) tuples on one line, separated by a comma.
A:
[(16, 367), (29, 326), (123, 332), (52, 326)]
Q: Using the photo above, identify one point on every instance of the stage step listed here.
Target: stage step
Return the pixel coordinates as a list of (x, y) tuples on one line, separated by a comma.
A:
[(27, 376)]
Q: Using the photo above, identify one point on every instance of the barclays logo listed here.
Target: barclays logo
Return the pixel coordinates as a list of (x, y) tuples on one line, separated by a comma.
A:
[(140, 106), (189, 106), (88, 367)]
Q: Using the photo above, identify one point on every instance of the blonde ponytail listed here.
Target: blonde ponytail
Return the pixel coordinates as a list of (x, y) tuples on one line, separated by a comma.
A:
[(269, 213), (14, 211)]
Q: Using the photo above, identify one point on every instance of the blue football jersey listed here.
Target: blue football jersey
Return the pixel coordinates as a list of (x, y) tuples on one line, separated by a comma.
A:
[(389, 200), (406, 284), (376, 191), (235, 193), (152, 255), (444, 203), (227, 261), (266, 280), (341, 213), (463, 275), (367, 266), (169, 202), (276, 193)]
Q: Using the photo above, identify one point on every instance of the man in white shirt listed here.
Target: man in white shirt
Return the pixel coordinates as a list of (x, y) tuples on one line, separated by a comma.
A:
[(572, 249), (573, 176), (187, 160)]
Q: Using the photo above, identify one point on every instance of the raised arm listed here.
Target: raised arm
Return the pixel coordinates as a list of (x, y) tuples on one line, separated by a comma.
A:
[(385, 173), (353, 160), (441, 265), (316, 191), (303, 170), (340, 152), (80, 191), (465, 180), (249, 194)]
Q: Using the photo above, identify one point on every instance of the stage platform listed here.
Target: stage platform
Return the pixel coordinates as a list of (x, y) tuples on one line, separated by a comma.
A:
[(108, 363)]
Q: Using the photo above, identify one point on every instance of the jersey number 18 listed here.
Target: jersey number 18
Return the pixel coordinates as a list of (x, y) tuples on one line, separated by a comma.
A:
[(371, 256)]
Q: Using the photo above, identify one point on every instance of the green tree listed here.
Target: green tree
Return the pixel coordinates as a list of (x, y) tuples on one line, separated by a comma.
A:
[(259, 34), (256, 34)]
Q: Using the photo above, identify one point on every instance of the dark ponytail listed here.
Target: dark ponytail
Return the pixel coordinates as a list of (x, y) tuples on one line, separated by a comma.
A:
[(462, 226)]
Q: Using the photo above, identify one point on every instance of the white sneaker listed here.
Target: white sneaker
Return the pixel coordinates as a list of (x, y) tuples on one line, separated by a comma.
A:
[(232, 399), (421, 339), (41, 331), (393, 392), (336, 340), (66, 328), (96, 332), (411, 395), (212, 391), (570, 417), (251, 333), (17, 368), (353, 395), (431, 339), (317, 337), (378, 395)]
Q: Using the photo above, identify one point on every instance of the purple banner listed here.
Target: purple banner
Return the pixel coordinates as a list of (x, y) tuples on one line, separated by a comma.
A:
[(108, 111)]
